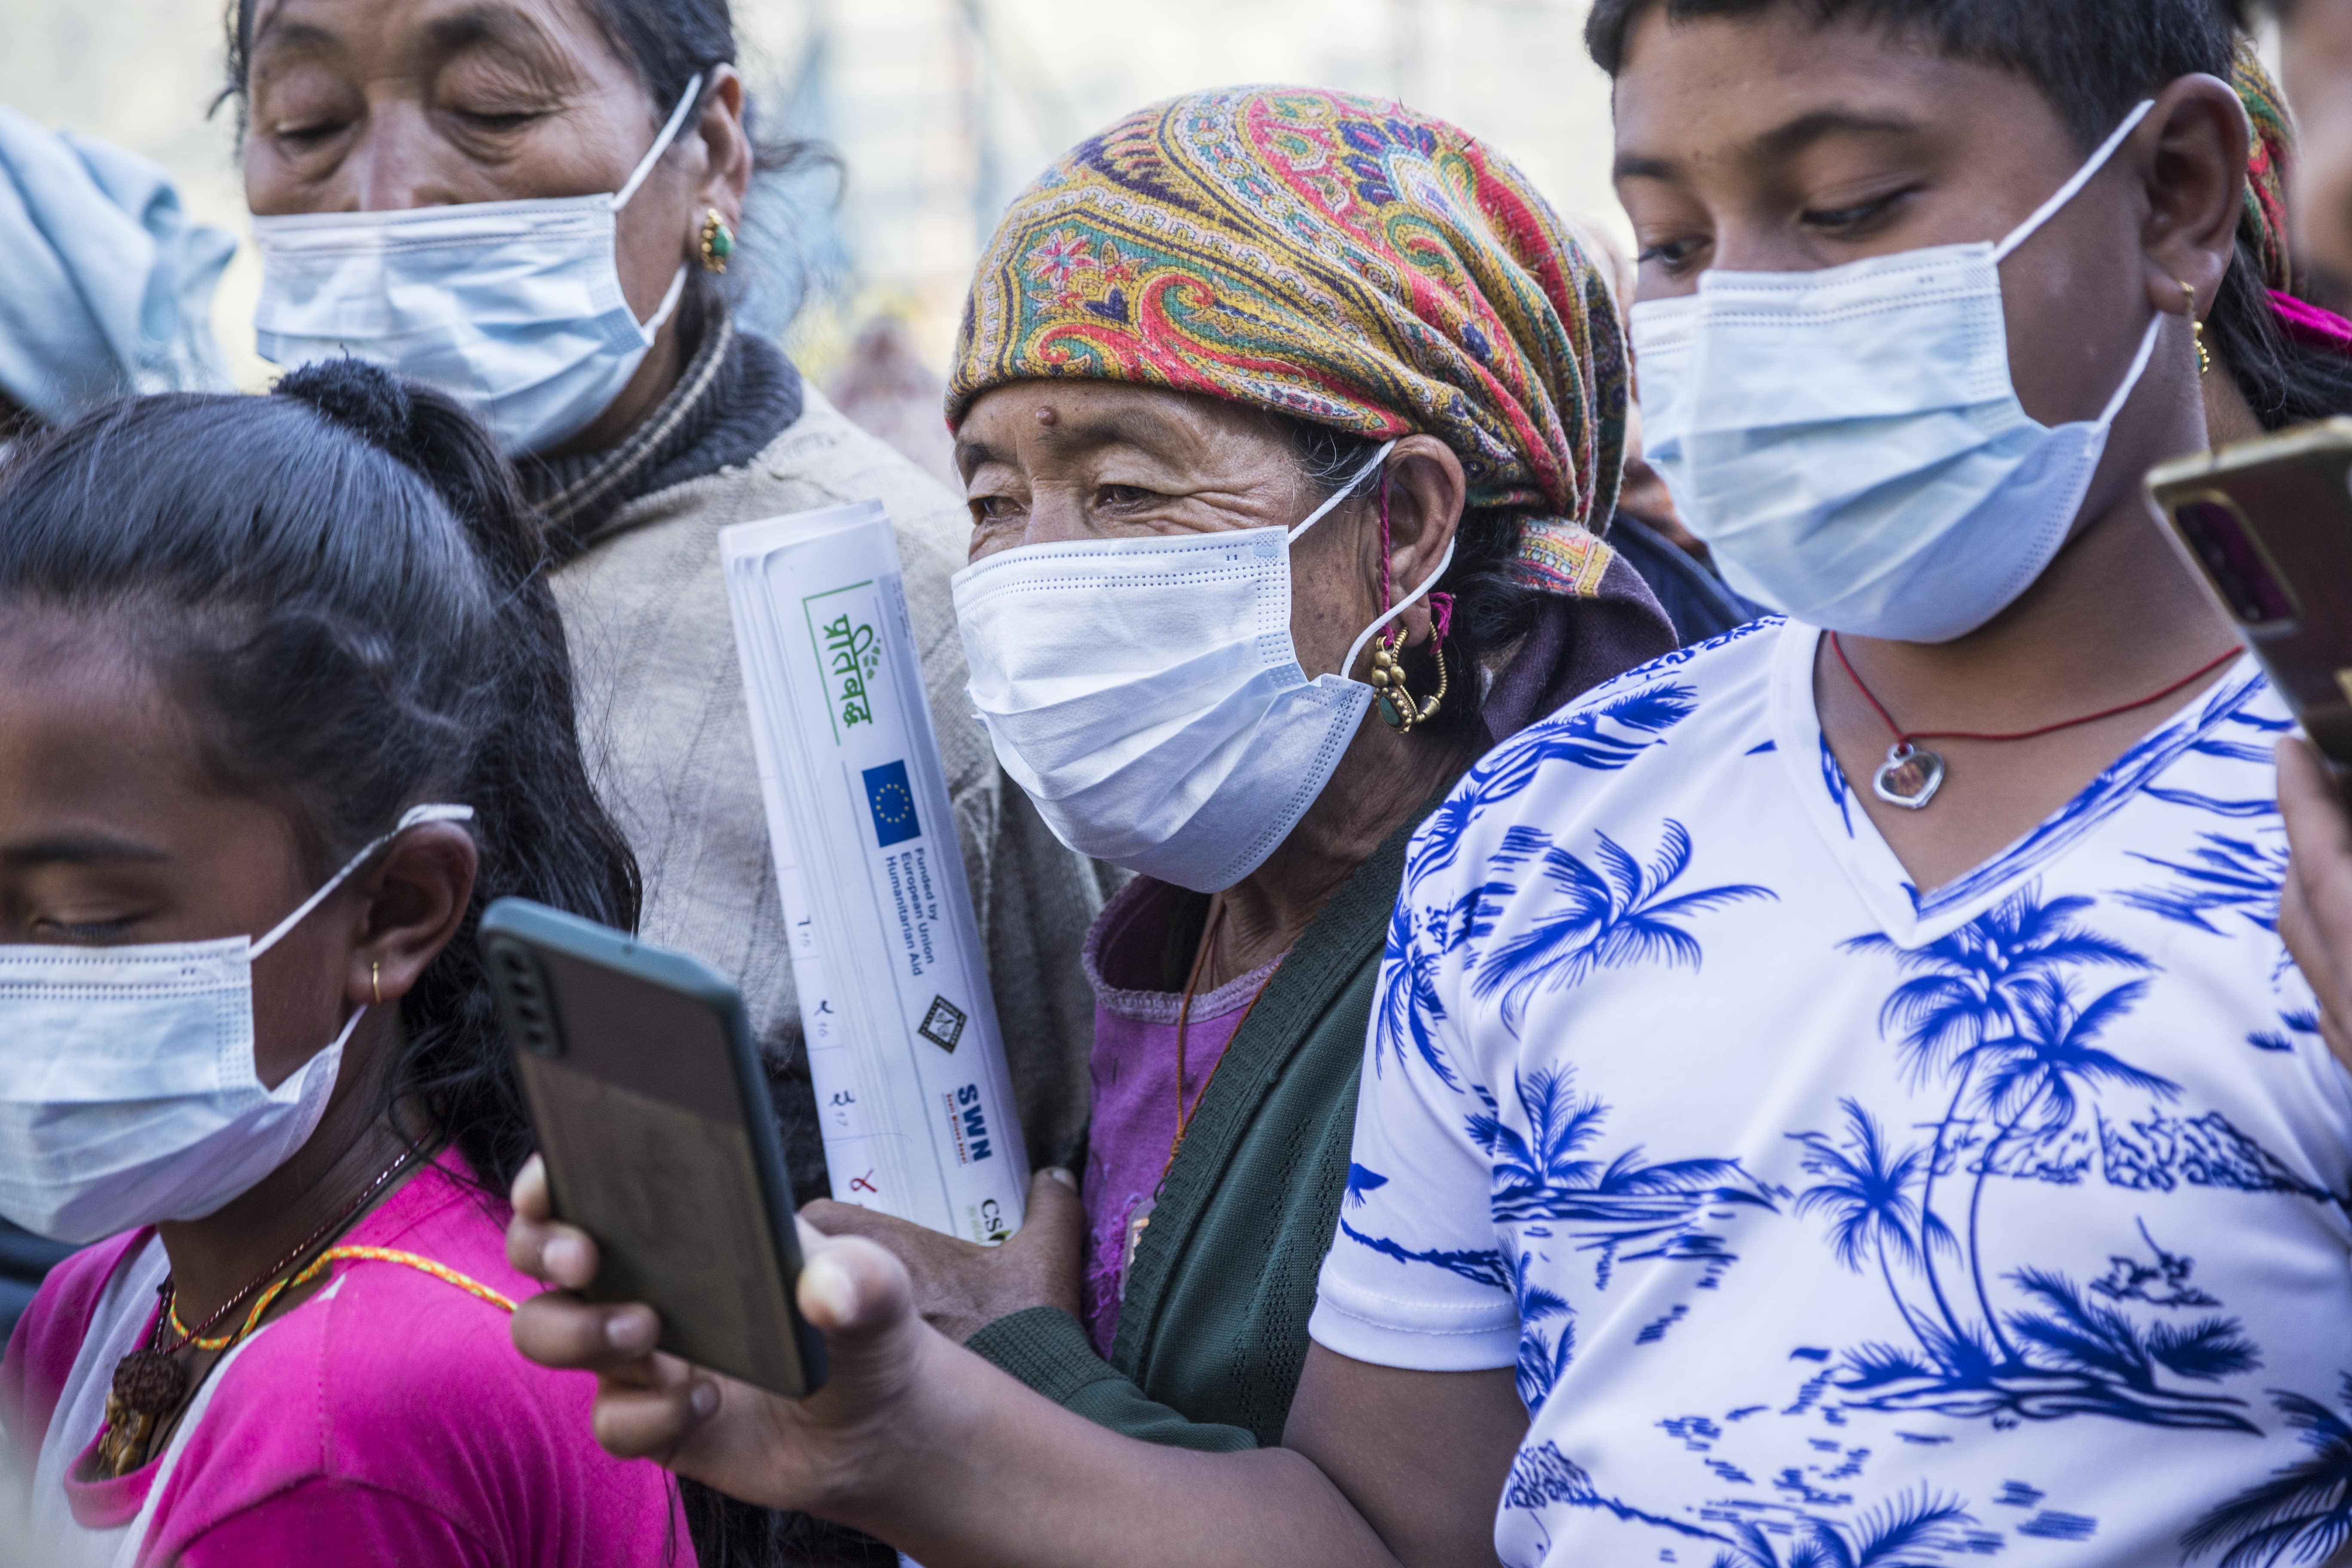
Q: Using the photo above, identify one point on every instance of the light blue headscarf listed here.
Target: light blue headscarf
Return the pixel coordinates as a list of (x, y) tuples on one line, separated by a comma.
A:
[(106, 288)]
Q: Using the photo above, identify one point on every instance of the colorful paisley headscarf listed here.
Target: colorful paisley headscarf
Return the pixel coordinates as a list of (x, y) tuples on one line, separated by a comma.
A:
[(2267, 167), (1343, 261)]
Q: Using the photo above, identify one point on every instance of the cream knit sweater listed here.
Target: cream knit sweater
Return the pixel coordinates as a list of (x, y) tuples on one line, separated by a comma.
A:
[(663, 725)]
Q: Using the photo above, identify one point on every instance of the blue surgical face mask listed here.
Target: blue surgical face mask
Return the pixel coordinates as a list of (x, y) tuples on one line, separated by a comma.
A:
[(515, 308), (1850, 445), (129, 1092), (1145, 692)]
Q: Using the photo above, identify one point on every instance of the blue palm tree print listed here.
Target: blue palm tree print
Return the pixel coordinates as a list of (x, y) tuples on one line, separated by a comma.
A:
[(1544, 1178), (1997, 1010), (1866, 1190), (1905, 1531), (1543, 1360), (1969, 988), (2225, 876), (1612, 916), (1408, 1008), (2302, 1514), (1911, 1530), (1604, 738), (1482, 1265)]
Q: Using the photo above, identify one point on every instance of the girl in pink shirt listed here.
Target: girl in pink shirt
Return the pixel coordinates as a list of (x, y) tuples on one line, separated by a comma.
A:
[(284, 703)]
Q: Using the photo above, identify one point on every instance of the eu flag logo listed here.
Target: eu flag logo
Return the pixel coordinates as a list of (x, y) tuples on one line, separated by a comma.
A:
[(892, 801)]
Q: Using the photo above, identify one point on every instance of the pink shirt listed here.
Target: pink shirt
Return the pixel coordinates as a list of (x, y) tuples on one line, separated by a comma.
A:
[(389, 1422), (1131, 962)]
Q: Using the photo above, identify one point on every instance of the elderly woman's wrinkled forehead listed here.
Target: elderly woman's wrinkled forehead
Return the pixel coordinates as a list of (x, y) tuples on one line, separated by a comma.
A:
[(545, 50), (1048, 461), (540, 33), (1042, 425), (387, 104)]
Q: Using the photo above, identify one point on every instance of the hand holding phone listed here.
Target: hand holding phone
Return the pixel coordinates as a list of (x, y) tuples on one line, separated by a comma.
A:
[(654, 1121), (850, 1442)]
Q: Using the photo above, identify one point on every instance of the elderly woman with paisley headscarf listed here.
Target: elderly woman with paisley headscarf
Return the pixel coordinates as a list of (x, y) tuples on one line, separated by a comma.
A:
[(1286, 420)]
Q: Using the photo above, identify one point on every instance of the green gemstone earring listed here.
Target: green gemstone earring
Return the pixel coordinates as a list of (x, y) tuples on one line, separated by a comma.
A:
[(718, 241)]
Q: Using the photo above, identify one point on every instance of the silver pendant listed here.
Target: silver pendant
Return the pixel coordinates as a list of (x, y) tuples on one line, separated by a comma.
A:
[(1909, 777)]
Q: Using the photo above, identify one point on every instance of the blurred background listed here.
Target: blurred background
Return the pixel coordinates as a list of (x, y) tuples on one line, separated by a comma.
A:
[(940, 111)]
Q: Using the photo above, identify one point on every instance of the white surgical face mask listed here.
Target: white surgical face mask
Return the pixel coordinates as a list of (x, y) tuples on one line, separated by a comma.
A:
[(128, 1091), (1147, 695), (1849, 443), (513, 306)]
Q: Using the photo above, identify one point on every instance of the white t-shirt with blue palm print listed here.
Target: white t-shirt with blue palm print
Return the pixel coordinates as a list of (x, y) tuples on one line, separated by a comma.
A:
[(1827, 1224)]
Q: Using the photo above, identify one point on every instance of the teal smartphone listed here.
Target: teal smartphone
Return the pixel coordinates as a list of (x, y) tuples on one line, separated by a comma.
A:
[(654, 1119)]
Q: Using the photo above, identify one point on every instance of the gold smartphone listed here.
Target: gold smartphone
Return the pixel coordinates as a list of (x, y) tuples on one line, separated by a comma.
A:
[(2267, 524)]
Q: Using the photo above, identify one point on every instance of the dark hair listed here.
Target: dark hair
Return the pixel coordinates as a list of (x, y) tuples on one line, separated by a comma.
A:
[(2093, 62), (1491, 609), (666, 43), (341, 583)]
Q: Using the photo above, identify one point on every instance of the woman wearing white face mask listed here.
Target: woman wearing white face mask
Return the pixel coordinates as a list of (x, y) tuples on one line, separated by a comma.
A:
[(1278, 523), (551, 208), (266, 746), (106, 288)]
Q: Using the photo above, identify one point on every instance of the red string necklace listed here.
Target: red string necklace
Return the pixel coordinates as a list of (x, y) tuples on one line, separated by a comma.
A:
[(1911, 775)]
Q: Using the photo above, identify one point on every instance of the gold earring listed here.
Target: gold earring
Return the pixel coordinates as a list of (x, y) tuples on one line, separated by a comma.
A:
[(1395, 704), (2196, 331), (375, 981), (718, 241)]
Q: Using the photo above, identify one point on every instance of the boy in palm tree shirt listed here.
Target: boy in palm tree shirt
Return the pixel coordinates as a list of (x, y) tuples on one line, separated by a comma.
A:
[(1847, 1069)]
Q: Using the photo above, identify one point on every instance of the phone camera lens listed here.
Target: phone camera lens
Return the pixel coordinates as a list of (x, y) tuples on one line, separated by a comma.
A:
[(2224, 546)]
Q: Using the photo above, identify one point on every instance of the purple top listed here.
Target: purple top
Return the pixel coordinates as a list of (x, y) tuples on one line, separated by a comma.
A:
[(1139, 978)]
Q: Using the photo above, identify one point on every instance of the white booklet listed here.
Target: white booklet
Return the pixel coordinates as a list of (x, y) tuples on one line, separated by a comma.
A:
[(900, 1029)]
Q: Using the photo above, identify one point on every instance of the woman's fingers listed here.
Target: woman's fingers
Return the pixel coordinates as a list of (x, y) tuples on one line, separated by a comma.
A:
[(855, 1291), (651, 1417), (529, 1193), (573, 1335), (540, 1245)]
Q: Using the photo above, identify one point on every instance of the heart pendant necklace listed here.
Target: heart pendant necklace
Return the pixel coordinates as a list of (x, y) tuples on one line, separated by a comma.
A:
[(1911, 775)]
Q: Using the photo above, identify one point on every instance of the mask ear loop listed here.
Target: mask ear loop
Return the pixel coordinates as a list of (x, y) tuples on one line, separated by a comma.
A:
[(1410, 600), (1428, 583), (687, 100), (1440, 605), (413, 817), (2072, 188), (2140, 368), (651, 327), (1344, 491)]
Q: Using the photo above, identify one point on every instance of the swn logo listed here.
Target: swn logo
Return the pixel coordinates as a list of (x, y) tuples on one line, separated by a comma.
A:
[(976, 1122)]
